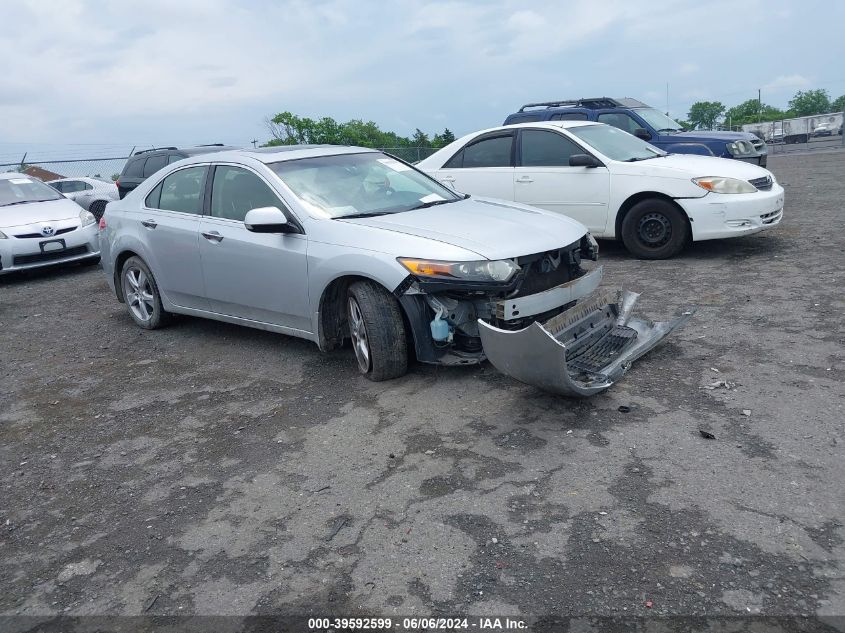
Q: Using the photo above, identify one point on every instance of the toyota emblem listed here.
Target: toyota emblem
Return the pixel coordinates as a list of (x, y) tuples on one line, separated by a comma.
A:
[(47, 231)]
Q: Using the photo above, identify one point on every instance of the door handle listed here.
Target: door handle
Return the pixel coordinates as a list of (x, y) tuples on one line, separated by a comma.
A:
[(525, 179), (150, 224), (213, 236), (448, 179)]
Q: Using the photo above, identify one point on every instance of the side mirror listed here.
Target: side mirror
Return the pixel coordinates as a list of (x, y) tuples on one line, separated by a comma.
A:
[(642, 133), (584, 160), (267, 220)]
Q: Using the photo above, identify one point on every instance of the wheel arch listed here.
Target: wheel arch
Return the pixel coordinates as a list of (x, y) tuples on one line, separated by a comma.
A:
[(640, 197), (119, 261), (331, 311)]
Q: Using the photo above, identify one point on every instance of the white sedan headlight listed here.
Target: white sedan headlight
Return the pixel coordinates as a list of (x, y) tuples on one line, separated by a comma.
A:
[(718, 184), (499, 270), (86, 218)]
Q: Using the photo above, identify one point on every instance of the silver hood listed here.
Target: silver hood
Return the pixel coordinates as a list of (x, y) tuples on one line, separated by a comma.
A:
[(34, 212), (494, 229)]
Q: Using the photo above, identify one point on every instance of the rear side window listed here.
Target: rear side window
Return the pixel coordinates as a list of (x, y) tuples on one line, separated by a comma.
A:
[(569, 116), (58, 186), (236, 191), (525, 118), (180, 191), (546, 149), (153, 164), (489, 152), (174, 157), (134, 168)]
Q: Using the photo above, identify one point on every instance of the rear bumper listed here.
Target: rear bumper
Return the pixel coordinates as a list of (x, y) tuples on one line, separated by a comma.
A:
[(17, 254), (583, 350), (717, 216)]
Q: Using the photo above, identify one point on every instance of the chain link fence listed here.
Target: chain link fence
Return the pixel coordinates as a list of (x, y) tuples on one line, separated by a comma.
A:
[(109, 168)]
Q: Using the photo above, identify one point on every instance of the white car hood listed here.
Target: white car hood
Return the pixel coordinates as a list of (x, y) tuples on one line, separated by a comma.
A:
[(691, 166), (494, 229), (34, 212)]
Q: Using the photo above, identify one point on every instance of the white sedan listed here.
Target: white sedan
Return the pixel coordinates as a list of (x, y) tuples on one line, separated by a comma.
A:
[(619, 186)]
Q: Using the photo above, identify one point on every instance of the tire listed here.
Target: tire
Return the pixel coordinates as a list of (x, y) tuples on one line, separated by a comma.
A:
[(377, 331), (97, 208), (655, 229), (141, 294)]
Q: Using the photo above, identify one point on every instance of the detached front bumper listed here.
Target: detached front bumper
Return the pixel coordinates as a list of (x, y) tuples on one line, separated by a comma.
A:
[(583, 350)]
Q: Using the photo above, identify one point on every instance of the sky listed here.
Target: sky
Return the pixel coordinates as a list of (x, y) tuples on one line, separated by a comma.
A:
[(86, 77)]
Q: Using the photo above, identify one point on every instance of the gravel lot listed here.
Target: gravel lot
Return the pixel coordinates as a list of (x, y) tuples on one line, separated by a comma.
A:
[(212, 469)]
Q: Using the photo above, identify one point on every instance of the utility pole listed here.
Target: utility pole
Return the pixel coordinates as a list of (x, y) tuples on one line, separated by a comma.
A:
[(254, 141), (759, 107), (667, 98)]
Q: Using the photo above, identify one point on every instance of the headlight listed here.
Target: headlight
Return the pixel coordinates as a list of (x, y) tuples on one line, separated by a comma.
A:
[(740, 148), (2, 235), (500, 270), (86, 218), (724, 185)]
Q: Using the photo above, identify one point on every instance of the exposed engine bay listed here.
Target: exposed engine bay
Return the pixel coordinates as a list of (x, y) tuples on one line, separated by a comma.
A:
[(546, 326)]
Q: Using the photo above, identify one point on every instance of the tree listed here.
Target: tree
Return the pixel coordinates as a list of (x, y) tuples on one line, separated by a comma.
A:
[(810, 102), (704, 114), (751, 112), (838, 104)]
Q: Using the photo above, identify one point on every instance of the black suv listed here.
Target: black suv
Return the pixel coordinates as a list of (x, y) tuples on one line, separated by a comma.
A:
[(143, 164)]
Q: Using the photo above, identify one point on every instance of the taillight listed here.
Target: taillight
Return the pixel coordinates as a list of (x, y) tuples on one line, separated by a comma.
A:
[(102, 223)]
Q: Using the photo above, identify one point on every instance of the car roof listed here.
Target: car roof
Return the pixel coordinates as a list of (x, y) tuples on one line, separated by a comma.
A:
[(551, 125), (285, 152), (14, 174)]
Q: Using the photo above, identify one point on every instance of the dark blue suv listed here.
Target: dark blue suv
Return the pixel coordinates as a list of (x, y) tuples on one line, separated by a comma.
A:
[(649, 124)]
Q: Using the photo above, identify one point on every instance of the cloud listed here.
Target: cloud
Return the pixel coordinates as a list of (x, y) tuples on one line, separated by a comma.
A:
[(788, 82)]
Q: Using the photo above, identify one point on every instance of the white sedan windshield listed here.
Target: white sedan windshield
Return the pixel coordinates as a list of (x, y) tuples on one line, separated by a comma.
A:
[(358, 185), (616, 144)]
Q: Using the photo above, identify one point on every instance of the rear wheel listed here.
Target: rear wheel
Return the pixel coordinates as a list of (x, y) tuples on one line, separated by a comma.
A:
[(141, 294), (377, 331), (655, 229)]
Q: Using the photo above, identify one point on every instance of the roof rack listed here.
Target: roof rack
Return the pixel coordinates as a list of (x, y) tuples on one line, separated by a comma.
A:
[(591, 102), (208, 145), (152, 149)]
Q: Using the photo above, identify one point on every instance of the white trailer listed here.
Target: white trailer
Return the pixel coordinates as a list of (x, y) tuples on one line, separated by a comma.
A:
[(797, 130)]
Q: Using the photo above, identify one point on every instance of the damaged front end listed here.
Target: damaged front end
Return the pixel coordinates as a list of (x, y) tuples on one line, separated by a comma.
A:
[(583, 350), (545, 325)]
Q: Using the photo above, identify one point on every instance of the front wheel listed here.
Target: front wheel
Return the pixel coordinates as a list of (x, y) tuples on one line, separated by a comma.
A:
[(655, 229), (377, 331), (141, 294)]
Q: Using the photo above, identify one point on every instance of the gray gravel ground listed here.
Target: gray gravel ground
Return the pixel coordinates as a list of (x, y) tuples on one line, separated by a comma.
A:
[(212, 469)]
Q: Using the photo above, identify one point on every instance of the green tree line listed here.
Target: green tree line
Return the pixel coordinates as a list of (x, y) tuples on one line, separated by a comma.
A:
[(287, 128), (707, 114)]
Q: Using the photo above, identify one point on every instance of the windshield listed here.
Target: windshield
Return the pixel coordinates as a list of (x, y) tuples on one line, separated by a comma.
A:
[(658, 120), (356, 185), (614, 143), (24, 189)]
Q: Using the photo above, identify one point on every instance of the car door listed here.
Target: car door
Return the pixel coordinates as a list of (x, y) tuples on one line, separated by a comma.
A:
[(257, 276), (483, 167), (543, 178), (168, 224)]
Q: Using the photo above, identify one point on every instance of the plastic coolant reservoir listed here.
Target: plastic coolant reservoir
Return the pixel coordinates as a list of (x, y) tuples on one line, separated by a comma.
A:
[(439, 327)]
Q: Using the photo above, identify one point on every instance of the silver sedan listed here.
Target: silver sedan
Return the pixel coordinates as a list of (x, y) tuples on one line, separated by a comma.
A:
[(40, 227), (343, 243)]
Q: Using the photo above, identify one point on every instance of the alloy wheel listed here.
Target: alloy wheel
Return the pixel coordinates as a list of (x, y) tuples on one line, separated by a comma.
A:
[(139, 294), (358, 332)]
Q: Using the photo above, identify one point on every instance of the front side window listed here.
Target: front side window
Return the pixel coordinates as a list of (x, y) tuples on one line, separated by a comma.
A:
[(489, 152), (14, 191), (620, 120), (180, 191), (58, 186), (357, 185), (236, 191), (546, 149), (74, 186)]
